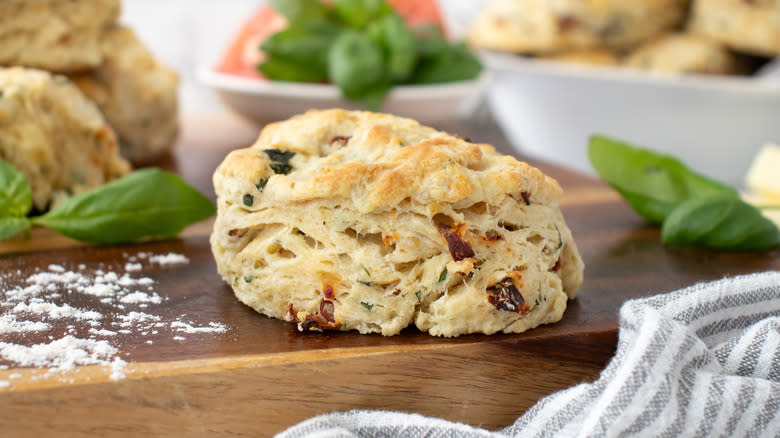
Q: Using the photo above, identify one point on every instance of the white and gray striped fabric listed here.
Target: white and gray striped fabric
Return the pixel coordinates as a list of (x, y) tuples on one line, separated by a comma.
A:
[(699, 362)]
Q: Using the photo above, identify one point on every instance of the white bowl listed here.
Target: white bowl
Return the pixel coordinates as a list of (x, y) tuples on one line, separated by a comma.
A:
[(713, 124), (266, 101)]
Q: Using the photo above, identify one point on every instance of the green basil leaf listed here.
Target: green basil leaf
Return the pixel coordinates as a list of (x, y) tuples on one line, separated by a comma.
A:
[(652, 183), (282, 156), (11, 226), (429, 39), (280, 68), (304, 43), (719, 222), (372, 99), (358, 13), (146, 203), (355, 64), (400, 47), (15, 192), (296, 10), (449, 63)]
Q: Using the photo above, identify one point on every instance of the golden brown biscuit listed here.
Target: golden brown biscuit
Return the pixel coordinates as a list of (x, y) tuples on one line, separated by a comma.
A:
[(370, 222), (136, 93), (54, 135), (684, 53), (55, 35), (538, 27), (748, 26)]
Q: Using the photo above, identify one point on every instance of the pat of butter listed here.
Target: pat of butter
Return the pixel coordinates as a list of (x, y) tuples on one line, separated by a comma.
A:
[(763, 181), (763, 178)]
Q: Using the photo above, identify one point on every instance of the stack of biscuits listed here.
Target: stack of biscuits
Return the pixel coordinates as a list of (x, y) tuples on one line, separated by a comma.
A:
[(668, 36), (80, 96)]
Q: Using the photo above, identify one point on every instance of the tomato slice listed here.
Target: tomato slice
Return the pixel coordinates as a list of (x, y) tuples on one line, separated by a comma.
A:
[(243, 54), (418, 12)]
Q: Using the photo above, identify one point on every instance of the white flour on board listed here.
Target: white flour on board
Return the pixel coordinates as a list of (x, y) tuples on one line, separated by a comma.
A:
[(33, 304), (168, 259)]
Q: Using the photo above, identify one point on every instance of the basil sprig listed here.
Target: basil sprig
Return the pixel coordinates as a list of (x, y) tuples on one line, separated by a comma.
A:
[(694, 210), (147, 203), (363, 47)]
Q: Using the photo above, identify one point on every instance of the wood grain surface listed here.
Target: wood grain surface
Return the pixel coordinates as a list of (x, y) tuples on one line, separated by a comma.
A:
[(262, 375)]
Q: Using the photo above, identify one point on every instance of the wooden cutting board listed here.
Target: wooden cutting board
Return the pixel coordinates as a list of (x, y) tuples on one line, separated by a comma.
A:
[(260, 375)]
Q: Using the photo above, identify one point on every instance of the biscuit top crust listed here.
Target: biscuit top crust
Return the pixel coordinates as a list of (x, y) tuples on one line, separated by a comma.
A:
[(376, 161), (20, 83), (750, 26), (55, 35)]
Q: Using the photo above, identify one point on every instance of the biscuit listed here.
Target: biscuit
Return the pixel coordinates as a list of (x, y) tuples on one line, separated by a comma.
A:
[(54, 135), (137, 95), (684, 53), (338, 220), (537, 27), (593, 57), (55, 35), (746, 26)]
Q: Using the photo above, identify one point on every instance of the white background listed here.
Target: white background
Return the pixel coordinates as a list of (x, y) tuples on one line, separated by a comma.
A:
[(186, 34)]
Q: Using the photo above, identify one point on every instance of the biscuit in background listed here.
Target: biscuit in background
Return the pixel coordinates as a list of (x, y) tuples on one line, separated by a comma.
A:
[(338, 220), (544, 27), (752, 27), (685, 53), (55, 136), (56, 35), (593, 57), (136, 93)]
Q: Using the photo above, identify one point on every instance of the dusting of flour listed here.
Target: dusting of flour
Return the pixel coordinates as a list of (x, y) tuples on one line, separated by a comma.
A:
[(123, 305)]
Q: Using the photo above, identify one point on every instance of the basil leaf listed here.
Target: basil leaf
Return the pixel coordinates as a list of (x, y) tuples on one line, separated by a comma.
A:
[(280, 68), (146, 203), (400, 46), (295, 10), (11, 226), (279, 155), (372, 99), (15, 192), (447, 64), (355, 64), (429, 39), (719, 222), (304, 43), (358, 13), (654, 184)]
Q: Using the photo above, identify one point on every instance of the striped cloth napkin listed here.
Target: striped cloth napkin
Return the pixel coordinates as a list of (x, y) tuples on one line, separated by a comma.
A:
[(699, 362)]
